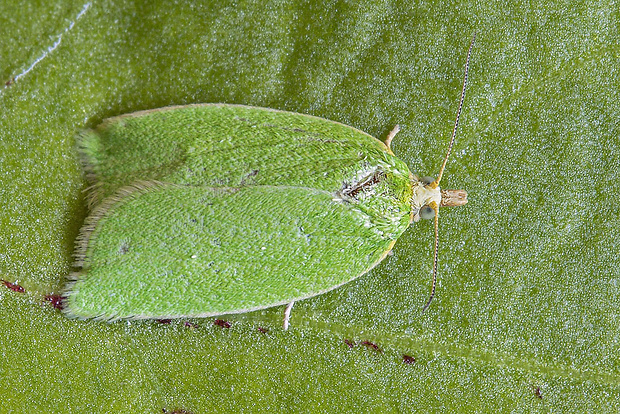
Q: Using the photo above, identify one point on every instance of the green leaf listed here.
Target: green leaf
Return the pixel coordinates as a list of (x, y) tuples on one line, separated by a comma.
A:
[(528, 296)]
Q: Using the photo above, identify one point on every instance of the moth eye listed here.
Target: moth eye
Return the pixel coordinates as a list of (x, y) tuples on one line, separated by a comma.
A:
[(427, 213), (427, 180)]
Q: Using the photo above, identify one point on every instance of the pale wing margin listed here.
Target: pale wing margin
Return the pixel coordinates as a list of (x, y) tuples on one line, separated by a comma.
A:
[(163, 251)]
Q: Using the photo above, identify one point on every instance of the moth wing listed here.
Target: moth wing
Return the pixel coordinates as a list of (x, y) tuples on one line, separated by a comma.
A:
[(218, 145), (161, 250)]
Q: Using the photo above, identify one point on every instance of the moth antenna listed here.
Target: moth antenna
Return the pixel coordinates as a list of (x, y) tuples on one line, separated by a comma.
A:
[(435, 184), (430, 299), (458, 114)]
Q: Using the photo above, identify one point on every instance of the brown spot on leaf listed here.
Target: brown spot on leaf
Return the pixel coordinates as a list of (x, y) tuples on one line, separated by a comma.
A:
[(221, 323), (408, 359), (13, 286), (175, 411), (55, 301), (537, 392), (371, 345)]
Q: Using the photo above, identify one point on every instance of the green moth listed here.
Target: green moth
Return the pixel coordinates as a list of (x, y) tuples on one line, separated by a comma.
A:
[(211, 209)]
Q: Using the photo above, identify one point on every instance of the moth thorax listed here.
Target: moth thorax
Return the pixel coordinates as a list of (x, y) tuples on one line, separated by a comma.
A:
[(422, 196)]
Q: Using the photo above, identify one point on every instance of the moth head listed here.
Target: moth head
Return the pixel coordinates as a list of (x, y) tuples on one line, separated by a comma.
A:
[(428, 197)]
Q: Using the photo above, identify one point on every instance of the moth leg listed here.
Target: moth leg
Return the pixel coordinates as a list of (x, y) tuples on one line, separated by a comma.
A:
[(287, 315), (390, 137)]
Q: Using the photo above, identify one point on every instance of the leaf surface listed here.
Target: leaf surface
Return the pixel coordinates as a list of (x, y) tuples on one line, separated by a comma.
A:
[(528, 297)]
